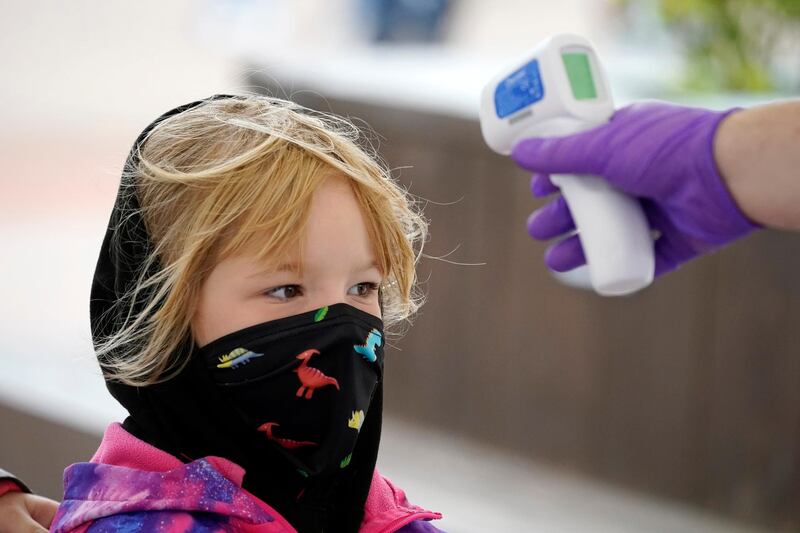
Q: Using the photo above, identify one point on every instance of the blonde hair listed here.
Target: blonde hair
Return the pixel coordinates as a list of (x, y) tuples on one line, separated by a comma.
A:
[(211, 182)]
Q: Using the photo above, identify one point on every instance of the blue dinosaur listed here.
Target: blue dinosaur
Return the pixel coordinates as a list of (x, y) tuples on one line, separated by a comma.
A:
[(367, 350)]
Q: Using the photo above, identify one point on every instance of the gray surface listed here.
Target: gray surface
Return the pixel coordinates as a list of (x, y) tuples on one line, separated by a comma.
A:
[(37, 450), (480, 488)]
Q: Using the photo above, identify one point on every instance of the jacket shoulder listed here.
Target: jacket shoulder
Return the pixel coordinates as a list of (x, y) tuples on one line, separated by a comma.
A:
[(388, 509)]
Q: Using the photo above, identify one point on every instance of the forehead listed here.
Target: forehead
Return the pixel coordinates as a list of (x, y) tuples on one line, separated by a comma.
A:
[(332, 232)]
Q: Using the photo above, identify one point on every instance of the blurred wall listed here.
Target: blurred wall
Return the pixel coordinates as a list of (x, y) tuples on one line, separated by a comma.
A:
[(95, 65)]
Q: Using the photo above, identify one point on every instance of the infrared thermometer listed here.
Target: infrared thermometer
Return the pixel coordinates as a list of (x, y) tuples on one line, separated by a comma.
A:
[(558, 89)]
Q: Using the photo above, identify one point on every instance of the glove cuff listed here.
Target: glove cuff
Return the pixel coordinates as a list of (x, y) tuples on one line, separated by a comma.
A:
[(737, 224)]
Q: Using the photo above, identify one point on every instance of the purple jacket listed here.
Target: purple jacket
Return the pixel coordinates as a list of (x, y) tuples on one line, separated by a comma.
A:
[(131, 486)]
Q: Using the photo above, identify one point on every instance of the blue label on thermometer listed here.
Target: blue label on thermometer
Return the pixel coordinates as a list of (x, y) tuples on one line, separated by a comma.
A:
[(519, 90)]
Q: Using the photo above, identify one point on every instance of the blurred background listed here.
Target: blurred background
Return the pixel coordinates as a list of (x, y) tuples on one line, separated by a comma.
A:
[(514, 403)]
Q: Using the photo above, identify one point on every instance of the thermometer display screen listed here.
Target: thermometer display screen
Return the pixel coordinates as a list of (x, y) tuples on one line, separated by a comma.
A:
[(520, 89), (579, 72)]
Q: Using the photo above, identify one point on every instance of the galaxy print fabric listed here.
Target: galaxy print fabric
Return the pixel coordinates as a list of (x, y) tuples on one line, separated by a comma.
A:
[(192, 498)]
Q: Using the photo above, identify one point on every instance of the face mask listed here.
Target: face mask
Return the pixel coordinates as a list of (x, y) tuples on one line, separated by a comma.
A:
[(302, 384)]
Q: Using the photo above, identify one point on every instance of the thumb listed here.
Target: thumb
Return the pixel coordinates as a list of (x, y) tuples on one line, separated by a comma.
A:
[(581, 153)]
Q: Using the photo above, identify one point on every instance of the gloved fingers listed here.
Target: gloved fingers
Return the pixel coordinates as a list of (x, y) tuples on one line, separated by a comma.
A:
[(565, 255), (541, 186), (665, 256), (550, 221), (581, 153), (656, 216), (672, 249)]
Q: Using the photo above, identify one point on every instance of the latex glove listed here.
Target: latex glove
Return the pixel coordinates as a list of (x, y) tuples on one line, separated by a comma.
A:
[(25, 513), (661, 153)]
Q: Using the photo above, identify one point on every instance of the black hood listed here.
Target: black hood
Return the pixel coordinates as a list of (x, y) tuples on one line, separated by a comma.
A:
[(184, 416)]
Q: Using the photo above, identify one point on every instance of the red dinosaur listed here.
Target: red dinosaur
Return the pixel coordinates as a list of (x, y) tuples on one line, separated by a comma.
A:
[(289, 444), (311, 378)]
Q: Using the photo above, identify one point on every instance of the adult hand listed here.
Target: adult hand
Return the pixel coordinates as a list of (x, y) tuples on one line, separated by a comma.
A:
[(661, 153), (25, 513)]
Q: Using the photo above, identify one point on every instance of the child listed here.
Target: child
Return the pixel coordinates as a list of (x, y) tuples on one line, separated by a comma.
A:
[(253, 256)]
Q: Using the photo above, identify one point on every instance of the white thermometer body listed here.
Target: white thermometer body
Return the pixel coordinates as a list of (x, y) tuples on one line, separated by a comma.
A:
[(559, 89)]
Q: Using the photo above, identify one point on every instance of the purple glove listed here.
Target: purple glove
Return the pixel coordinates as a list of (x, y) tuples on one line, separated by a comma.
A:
[(659, 152)]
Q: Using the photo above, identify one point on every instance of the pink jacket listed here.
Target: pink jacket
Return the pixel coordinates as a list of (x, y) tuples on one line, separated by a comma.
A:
[(132, 486)]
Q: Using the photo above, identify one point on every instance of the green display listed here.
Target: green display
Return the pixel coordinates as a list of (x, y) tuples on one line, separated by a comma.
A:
[(579, 73)]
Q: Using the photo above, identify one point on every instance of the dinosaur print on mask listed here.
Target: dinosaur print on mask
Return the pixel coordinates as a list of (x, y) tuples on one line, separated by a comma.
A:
[(311, 378), (367, 350), (321, 314), (237, 357), (289, 444), (356, 420)]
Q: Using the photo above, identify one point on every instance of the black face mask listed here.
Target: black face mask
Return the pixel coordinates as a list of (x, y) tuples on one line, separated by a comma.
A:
[(304, 382)]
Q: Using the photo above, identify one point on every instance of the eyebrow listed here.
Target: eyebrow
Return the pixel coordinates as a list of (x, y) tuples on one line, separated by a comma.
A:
[(369, 266), (288, 267), (283, 267), (295, 267)]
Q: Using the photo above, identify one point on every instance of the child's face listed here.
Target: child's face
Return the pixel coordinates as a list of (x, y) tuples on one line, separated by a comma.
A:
[(338, 266)]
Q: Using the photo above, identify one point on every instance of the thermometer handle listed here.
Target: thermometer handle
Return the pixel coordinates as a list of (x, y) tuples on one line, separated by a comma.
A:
[(614, 234)]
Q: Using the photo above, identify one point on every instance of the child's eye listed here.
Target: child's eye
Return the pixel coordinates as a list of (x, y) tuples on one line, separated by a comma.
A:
[(364, 288), (285, 292)]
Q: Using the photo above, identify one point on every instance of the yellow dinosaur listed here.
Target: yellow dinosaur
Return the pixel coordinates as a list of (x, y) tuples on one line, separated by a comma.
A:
[(356, 420)]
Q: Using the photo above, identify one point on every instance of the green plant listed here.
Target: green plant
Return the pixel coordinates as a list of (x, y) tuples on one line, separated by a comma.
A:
[(731, 44)]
